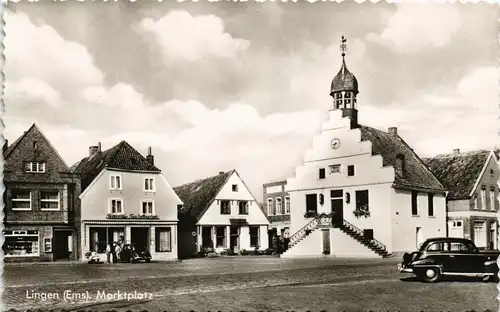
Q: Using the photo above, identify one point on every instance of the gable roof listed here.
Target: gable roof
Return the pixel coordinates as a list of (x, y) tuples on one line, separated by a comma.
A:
[(34, 127), (388, 145), (459, 171), (121, 156), (197, 196)]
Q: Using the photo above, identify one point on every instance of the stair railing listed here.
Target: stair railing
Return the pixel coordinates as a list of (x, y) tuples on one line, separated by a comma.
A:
[(302, 232), (360, 232)]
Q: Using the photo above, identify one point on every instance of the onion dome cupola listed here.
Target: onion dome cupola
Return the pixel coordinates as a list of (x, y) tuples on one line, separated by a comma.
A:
[(344, 89)]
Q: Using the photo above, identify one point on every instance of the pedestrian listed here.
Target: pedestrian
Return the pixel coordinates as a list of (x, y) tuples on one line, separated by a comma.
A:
[(112, 252), (108, 252), (118, 249)]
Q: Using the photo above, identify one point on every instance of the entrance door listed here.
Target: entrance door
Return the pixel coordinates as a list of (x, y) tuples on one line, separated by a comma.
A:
[(456, 228), (480, 234), (419, 237), (337, 202), (206, 237), (62, 245), (326, 241), (234, 242), (139, 237)]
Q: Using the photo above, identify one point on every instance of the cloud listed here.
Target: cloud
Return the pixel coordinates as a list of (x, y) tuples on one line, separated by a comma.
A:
[(32, 91), (464, 116), (39, 52), (191, 38), (416, 27)]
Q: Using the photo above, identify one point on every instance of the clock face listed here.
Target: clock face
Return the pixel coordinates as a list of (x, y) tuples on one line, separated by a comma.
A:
[(335, 143)]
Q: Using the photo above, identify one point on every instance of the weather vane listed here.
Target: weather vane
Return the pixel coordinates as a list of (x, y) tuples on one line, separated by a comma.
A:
[(343, 45)]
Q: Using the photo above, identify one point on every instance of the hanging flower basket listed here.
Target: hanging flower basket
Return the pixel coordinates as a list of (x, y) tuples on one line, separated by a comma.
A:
[(311, 214), (361, 211)]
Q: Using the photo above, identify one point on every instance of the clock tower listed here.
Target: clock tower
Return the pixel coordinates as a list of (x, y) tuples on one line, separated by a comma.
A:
[(344, 90)]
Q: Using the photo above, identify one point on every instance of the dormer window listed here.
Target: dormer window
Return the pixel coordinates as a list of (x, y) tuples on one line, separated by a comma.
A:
[(34, 167)]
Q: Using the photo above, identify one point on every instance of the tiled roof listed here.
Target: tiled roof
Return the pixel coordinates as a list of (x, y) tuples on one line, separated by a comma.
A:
[(458, 172), (198, 195), (121, 156), (388, 145)]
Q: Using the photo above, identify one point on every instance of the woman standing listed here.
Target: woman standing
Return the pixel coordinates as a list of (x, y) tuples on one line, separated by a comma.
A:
[(118, 249)]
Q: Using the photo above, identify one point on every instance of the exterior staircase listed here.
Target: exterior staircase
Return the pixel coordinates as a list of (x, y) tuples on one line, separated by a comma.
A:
[(325, 221)]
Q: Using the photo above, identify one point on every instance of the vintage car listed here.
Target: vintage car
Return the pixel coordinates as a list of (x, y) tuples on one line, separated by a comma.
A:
[(129, 254), (448, 256)]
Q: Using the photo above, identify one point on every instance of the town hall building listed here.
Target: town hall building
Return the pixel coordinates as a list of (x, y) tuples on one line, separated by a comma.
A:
[(361, 191)]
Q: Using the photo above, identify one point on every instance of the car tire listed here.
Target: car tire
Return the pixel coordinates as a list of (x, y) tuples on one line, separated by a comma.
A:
[(148, 260), (430, 275)]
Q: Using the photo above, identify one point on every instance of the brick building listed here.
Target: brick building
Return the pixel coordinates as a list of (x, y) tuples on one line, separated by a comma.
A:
[(471, 179), (276, 206), (41, 207)]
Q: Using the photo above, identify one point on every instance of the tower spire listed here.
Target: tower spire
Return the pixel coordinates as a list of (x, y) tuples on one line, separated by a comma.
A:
[(343, 48)]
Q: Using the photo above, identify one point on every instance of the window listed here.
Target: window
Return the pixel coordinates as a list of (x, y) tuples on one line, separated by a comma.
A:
[(116, 206), (458, 247), (235, 187), (436, 247), (148, 207), (225, 207), (22, 243), (287, 204), (270, 207), (115, 182), (35, 145), (163, 240), (221, 236), (414, 205), (350, 170), (243, 207), (34, 166), (49, 200), (430, 204), (322, 173), (254, 236), (362, 202), (279, 206), (98, 237), (334, 169), (493, 199), (311, 203), (21, 200), (149, 184), (492, 173), (483, 198)]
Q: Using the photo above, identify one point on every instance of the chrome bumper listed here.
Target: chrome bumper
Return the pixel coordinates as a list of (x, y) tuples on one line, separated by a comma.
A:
[(401, 269)]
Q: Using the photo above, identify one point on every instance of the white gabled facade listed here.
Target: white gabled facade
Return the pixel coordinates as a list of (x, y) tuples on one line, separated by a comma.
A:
[(136, 207), (238, 223), (351, 168)]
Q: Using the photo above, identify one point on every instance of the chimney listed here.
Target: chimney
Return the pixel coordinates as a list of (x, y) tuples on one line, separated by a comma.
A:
[(456, 151), (221, 172), (400, 165), (5, 145), (99, 147), (150, 158), (393, 130), (93, 150)]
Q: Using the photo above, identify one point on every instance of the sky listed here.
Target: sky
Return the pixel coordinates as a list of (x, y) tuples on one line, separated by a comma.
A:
[(213, 86)]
